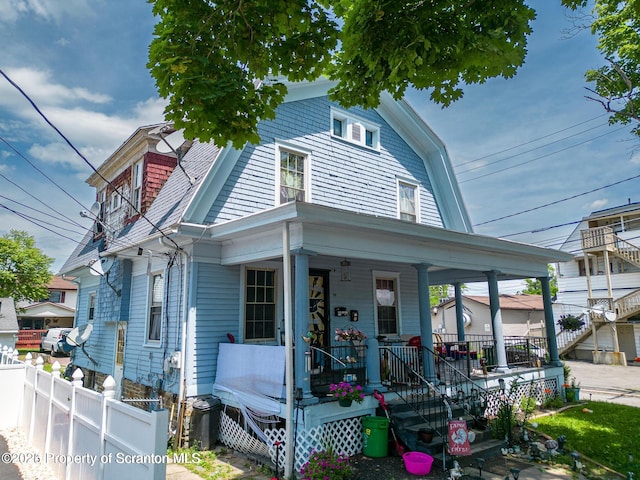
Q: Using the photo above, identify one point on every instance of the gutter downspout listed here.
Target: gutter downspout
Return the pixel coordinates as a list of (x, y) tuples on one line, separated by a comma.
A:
[(288, 342)]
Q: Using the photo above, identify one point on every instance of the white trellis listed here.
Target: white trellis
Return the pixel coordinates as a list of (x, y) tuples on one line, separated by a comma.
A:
[(343, 436)]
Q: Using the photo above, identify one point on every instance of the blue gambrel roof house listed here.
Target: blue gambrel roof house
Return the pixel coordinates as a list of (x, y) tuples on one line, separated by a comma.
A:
[(266, 275)]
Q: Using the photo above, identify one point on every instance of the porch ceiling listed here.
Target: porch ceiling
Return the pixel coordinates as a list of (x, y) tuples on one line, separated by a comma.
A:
[(453, 256)]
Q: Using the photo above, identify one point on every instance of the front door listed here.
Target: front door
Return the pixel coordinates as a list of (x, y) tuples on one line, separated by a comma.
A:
[(118, 369), (319, 318)]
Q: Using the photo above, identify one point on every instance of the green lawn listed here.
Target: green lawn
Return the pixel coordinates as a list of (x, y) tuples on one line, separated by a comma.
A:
[(610, 435)]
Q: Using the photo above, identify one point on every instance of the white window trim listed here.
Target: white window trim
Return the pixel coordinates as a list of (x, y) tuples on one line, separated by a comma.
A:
[(135, 179), (411, 183), (115, 201), (393, 276), (279, 331), (95, 298), (349, 121), (289, 147), (147, 341)]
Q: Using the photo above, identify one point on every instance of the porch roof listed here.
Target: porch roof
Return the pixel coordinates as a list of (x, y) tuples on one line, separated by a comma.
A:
[(453, 256)]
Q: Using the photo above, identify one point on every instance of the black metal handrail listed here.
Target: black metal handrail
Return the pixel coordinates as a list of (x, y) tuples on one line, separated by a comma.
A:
[(459, 387), (336, 364)]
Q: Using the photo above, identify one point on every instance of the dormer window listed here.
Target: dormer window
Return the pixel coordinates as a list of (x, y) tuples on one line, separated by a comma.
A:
[(354, 130)]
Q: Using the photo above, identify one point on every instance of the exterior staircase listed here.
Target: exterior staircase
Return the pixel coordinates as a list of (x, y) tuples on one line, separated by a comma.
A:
[(421, 406)]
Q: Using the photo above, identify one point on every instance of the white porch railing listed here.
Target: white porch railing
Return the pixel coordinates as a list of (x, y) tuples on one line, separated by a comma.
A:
[(394, 365), (80, 433)]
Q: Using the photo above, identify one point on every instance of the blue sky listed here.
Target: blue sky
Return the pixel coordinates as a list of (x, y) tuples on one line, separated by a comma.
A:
[(83, 63)]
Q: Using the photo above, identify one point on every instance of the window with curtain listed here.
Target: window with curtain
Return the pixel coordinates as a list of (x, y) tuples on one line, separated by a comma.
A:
[(155, 308), (292, 177), (407, 202), (260, 304), (387, 306)]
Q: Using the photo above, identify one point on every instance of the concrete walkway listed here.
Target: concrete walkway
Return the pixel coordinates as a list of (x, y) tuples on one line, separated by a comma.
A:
[(607, 383)]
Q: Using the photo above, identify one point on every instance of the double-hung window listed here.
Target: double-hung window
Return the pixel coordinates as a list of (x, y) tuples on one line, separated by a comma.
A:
[(156, 300), (408, 204), (293, 167), (136, 187), (386, 301), (260, 304), (91, 311)]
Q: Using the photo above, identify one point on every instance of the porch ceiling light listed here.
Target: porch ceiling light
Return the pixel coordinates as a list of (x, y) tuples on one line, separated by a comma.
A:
[(345, 275)]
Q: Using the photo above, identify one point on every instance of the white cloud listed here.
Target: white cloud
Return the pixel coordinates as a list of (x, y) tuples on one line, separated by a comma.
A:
[(598, 204), (635, 157), (12, 10)]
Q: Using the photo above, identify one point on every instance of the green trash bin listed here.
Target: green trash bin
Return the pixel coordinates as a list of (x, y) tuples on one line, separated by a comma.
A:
[(376, 436)]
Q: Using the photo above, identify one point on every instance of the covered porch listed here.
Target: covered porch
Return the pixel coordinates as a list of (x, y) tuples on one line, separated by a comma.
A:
[(339, 269)]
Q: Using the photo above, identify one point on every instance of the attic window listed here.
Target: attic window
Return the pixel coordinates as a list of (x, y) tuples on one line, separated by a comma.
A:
[(354, 130)]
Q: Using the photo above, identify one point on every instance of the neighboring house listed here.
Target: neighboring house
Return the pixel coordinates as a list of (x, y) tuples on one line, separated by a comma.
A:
[(522, 315), (57, 310), (199, 275), (603, 276), (8, 323)]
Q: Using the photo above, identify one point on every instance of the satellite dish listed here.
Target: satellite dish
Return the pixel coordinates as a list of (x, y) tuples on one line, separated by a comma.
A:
[(610, 316), (171, 143), (79, 335), (106, 263), (95, 209), (95, 267)]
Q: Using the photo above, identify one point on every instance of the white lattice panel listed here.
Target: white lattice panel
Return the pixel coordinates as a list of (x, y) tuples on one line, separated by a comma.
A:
[(235, 436), (540, 390), (343, 436)]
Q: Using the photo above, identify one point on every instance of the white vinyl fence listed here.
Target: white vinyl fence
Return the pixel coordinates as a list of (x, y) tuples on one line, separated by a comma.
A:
[(80, 433)]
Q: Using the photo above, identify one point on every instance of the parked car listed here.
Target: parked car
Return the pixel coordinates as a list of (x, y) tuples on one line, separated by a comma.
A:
[(49, 342)]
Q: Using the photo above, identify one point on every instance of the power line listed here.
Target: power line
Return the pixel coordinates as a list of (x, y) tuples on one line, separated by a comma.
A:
[(68, 142), (44, 213), (530, 150), (558, 201), (530, 141), (542, 156)]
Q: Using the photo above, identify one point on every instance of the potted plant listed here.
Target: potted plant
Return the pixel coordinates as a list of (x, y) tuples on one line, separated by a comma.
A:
[(346, 393), (570, 323), (572, 390)]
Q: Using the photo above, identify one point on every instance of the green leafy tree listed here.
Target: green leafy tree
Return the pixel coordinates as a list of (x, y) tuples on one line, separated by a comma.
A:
[(616, 84), (24, 269), (534, 287), (437, 293), (220, 63)]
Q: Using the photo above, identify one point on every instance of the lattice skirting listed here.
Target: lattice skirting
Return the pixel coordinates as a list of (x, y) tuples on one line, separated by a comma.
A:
[(540, 390), (343, 436)]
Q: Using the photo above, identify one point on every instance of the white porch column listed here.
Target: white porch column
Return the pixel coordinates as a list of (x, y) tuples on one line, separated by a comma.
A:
[(496, 321), (426, 327)]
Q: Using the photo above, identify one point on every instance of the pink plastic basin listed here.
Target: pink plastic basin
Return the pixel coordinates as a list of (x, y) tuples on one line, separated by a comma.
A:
[(417, 463)]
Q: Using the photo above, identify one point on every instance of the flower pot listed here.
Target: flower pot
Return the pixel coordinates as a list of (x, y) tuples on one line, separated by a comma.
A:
[(425, 435), (572, 394), (345, 402)]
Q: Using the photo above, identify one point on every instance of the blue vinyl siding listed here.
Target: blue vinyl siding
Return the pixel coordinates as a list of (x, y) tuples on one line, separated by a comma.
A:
[(358, 294), (343, 175), (217, 313), (144, 362)]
